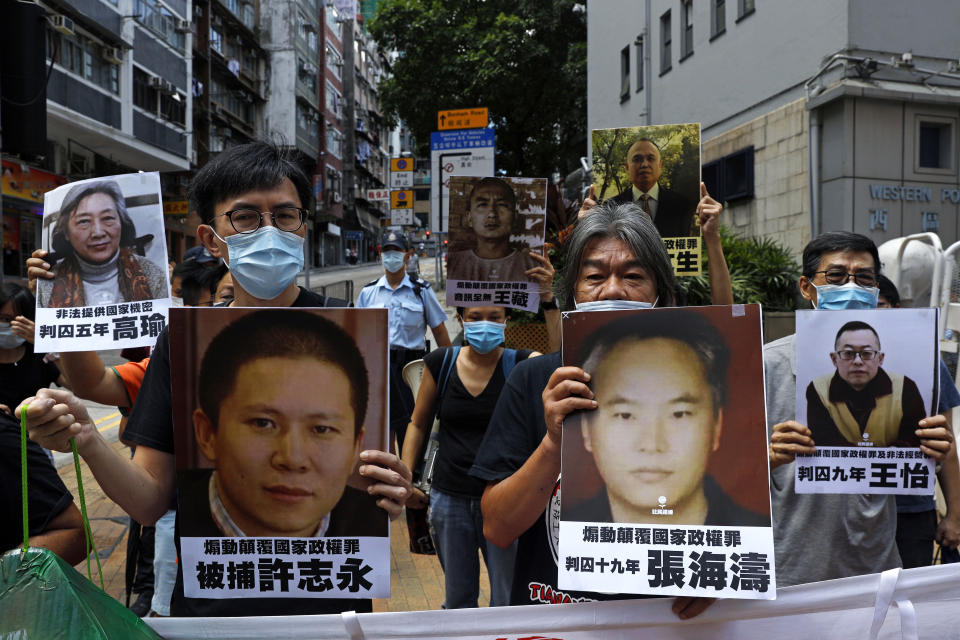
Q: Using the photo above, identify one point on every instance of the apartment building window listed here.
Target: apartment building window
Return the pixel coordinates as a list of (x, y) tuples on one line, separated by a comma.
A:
[(334, 139), (745, 8), (639, 46), (307, 74), (144, 96), (718, 18), (85, 58), (665, 42), (216, 40), (731, 177), (173, 107), (624, 74), (160, 20), (334, 61), (934, 143), (686, 33), (307, 31), (333, 100)]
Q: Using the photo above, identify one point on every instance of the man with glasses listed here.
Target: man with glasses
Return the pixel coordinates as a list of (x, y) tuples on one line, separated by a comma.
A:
[(860, 402), (250, 199)]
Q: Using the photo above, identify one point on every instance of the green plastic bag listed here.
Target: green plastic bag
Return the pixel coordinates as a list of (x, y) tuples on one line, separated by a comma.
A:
[(44, 598)]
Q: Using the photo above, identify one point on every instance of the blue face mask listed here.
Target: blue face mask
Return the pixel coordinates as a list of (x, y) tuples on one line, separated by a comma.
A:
[(483, 335), (393, 260), (8, 339), (614, 305), (846, 296), (266, 261)]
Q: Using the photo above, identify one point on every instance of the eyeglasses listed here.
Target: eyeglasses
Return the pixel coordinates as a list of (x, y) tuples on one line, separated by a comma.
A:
[(249, 220), (865, 354), (864, 278)]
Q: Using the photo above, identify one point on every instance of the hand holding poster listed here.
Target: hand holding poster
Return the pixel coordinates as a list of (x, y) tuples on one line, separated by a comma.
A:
[(271, 411), (495, 223), (665, 485), (104, 239), (656, 167), (864, 382)]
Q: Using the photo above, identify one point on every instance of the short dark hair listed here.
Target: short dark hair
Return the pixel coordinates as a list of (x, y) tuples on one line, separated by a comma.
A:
[(192, 280), (631, 225), (683, 325), (259, 164), (60, 243), (497, 182), (888, 290), (279, 333), (24, 304), (462, 310), (836, 241), (645, 139), (855, 325)]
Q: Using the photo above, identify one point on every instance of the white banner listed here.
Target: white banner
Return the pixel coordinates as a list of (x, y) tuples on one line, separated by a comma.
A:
[(915, 603), (111, 326), (898, 470), (286, 567), (519, 295)]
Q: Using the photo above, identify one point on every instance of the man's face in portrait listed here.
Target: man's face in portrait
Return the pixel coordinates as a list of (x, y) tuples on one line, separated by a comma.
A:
[(283, 452), (863, 349), (492, 212), (655, 425), (94, 228), (644, 164)]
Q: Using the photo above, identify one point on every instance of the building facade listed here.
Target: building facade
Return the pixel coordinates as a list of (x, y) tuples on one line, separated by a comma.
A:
[(816, 116)]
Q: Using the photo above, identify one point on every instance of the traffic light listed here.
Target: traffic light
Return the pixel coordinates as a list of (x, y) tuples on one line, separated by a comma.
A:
[(428, 234)]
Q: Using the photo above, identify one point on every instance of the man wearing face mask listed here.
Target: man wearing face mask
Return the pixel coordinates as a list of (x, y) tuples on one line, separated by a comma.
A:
[(413, 307), (855, 534), (252, 200), (615, 259)]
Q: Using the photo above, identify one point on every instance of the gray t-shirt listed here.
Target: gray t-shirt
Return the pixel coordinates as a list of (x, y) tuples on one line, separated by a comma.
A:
[(820, 536)]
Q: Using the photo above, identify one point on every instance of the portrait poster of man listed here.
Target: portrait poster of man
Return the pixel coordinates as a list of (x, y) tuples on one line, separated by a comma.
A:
[(658, 168), (106, 246), (664, 486), (865, 379), (495, 223), (271, 410)]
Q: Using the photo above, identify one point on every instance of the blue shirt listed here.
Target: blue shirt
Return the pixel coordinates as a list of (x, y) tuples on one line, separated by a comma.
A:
[(408, 322), (949, 398)]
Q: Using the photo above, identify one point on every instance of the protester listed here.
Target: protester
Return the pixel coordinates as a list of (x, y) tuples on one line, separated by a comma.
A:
[(250, 199), (855, 533), (917, 526), (470, 380), (93, 243), (413, 307), (54, 520), (22, 371), (614, 259)]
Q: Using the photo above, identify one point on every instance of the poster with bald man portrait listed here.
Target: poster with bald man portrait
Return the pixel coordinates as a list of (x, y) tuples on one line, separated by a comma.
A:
[(865, 379), (656, 167)]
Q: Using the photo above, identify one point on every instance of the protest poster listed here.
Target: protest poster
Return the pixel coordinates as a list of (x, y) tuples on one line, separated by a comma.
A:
[(665, 485), (495, 223), (105, 244), (658, 168), (271, 410), (865, 378)]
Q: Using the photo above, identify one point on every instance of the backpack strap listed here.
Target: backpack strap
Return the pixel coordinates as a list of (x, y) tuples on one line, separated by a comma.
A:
[(509, 361), (449, 362)]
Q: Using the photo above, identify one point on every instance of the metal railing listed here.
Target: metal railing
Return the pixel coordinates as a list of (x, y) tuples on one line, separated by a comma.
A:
[(342, 289)]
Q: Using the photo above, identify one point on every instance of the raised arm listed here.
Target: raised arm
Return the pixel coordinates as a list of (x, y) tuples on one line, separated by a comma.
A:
[(708, 211)]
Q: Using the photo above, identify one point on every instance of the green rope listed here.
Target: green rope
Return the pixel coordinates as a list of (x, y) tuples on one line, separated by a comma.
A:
[(23, 478), (87, 530)]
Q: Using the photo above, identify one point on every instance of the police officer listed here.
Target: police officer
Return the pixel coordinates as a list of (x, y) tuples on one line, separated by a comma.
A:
[(413, 307)]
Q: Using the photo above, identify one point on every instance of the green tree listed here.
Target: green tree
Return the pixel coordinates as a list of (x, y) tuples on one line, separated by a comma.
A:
[(523, 59)]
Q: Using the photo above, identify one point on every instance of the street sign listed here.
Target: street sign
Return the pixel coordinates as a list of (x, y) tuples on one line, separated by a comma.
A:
[(467, 152), (176, 208), (378, 195), (401, 164), (401, 216), (401, 179), (462, 119), (401, 199)]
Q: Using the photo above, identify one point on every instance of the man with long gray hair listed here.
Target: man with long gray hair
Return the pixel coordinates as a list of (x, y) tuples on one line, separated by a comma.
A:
[(615, 259)]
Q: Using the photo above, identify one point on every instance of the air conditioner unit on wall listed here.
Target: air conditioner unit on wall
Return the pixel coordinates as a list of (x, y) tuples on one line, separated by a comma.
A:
[(156, 82), (113, 54), (63, 24), (183, 26)]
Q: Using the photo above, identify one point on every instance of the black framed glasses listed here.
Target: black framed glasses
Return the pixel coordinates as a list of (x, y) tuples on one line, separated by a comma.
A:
[(249, 220), (864, 277), (851, 354)]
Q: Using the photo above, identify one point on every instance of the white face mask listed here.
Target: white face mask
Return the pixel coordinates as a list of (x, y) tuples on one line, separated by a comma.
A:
[(615, 305)]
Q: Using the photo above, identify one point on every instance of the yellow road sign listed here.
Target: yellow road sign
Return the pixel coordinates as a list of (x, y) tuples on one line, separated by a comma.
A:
[(401, 199), (401, 164), (476, 118)]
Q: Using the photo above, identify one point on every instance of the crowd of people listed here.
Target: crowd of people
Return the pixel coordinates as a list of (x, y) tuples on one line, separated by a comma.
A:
[(500, 410)]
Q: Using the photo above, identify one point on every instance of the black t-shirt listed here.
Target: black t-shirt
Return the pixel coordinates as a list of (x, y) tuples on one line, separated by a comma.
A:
[(516, 430), (20, 380), (48, 496), (463, 421), (151, 425)]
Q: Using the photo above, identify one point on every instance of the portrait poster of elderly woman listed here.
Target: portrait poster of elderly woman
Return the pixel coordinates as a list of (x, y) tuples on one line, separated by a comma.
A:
[(105, 243), (105, 247)]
